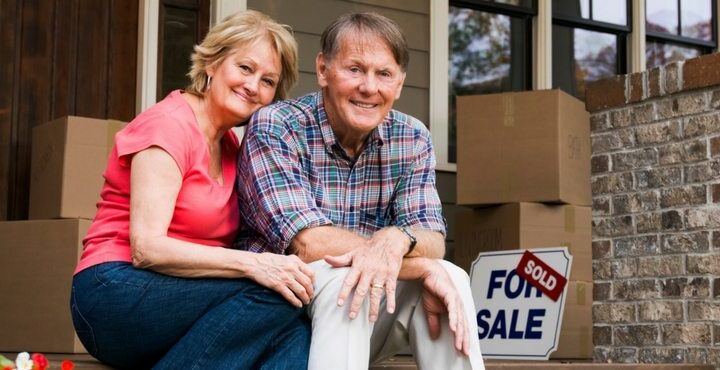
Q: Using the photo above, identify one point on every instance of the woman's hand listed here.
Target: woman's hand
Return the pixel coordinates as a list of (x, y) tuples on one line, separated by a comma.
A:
[(287, 275), (439, 297)]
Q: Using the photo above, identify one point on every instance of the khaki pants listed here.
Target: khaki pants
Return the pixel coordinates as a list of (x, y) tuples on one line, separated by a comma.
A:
[(340, 343)]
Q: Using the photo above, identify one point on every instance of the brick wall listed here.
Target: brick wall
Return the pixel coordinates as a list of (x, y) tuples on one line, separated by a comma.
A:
[(656, 214)]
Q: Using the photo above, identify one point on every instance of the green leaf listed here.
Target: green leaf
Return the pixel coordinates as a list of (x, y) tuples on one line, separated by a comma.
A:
[(4, 362)]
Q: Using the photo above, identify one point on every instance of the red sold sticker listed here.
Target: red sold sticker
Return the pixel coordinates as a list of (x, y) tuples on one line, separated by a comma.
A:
[(541, 276)]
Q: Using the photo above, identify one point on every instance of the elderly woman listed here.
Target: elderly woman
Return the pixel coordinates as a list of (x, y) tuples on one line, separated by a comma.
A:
[(157, 285)]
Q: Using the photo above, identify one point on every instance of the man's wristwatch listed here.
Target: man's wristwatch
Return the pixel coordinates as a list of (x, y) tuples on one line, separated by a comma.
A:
[(413, 240)]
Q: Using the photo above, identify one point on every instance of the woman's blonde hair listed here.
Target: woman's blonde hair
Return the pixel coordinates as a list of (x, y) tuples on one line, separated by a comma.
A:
[(239, 29)]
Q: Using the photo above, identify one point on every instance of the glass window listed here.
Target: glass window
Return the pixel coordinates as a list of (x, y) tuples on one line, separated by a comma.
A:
[(696, 19), (662, 16), (608, 11), (572, 8), (488, 53), (678, 30), (183, 23), (179, 36), (588, 42), (661, 53), (581, 56)]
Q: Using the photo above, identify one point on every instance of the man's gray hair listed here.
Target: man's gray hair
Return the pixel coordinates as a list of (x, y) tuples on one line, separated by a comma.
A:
[(359, 24)]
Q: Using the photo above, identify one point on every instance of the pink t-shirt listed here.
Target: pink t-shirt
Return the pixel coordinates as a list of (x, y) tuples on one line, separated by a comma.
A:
[(205, 212)]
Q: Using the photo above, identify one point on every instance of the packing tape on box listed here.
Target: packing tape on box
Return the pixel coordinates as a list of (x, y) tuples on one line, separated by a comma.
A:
[(113, 126), (508, 111), (580, 294), (569, 219)]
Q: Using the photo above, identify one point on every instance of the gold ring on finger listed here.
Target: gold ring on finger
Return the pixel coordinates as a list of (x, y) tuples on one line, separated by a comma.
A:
[(379, 286)]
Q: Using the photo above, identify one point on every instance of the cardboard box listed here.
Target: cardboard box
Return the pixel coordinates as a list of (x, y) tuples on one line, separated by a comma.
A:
[(69, 156), (39, 258), (525, 226), (531, 146), (576, 334)]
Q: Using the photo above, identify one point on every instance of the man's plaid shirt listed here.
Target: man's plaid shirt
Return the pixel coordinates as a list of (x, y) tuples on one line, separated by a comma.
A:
[(293, 174)]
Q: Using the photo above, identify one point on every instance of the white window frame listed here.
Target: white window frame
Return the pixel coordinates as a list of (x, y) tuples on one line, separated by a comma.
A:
[(148, 33), (439, 82), (638, 42)]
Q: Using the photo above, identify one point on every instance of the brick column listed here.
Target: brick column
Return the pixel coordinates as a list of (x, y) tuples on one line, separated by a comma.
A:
[(656, 214)]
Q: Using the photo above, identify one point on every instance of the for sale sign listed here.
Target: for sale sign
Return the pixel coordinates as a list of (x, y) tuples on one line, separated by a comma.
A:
[(520, 297)]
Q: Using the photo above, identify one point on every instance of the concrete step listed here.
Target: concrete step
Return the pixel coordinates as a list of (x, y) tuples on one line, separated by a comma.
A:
[(86, 362)]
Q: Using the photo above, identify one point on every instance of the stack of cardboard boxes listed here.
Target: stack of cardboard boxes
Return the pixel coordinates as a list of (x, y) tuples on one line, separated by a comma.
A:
[(39, 255), (524, 166)]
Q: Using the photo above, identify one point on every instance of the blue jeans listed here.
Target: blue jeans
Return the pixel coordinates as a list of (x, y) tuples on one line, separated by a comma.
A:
[(133, 318)]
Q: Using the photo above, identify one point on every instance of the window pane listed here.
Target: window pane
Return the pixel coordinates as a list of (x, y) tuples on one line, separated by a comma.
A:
[(660, 54), (179, 37), (581, 56), (572, 8), (662, 16), (610, 11), (488, 53), (696, 19)]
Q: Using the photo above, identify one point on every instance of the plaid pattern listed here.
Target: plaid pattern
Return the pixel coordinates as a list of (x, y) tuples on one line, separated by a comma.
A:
[(293, 174)]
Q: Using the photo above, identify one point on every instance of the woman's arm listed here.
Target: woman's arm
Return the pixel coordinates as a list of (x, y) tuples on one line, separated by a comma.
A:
[(155, 182)]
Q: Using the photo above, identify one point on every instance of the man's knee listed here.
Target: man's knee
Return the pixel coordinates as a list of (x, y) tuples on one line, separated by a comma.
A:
[(328, 282), (457, 274)]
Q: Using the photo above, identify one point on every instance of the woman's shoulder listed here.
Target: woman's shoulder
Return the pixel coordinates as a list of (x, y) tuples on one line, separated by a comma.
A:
[(171, 115)]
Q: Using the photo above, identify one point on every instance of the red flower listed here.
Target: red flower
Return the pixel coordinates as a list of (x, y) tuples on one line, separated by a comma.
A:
[(7, 368), (67, 365), (39, 361)]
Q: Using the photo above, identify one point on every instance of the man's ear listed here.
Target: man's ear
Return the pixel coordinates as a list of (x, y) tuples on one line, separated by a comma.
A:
[(321, 70), (400, 86)]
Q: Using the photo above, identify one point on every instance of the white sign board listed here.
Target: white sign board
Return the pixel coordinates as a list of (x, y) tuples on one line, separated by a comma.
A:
[(515, 319)]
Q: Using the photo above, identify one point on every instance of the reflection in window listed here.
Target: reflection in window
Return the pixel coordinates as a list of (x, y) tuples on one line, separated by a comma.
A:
[(678, 30), (608, 11), (179, 33), (660, 53), (696, 18), (662, 16), (487, 55), (479, 51), (589, 55)]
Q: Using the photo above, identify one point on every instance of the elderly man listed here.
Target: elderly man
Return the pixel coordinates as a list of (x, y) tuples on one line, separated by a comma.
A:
[(348, 185)]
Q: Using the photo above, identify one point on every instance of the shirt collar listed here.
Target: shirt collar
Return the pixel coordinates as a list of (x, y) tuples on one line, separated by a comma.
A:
[(376, 138)]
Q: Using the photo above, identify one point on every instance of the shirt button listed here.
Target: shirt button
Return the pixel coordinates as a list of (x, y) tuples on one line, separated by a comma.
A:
[(352, 209)]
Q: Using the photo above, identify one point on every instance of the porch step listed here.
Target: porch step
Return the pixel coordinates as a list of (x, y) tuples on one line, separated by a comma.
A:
[(407, 363), (86, 362), (552, 365)]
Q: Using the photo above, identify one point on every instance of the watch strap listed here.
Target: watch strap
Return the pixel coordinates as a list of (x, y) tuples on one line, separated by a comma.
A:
[(413, 240)]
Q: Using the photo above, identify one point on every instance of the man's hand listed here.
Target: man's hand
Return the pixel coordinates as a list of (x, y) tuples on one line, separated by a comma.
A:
[(440, 297), (374, 268)]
